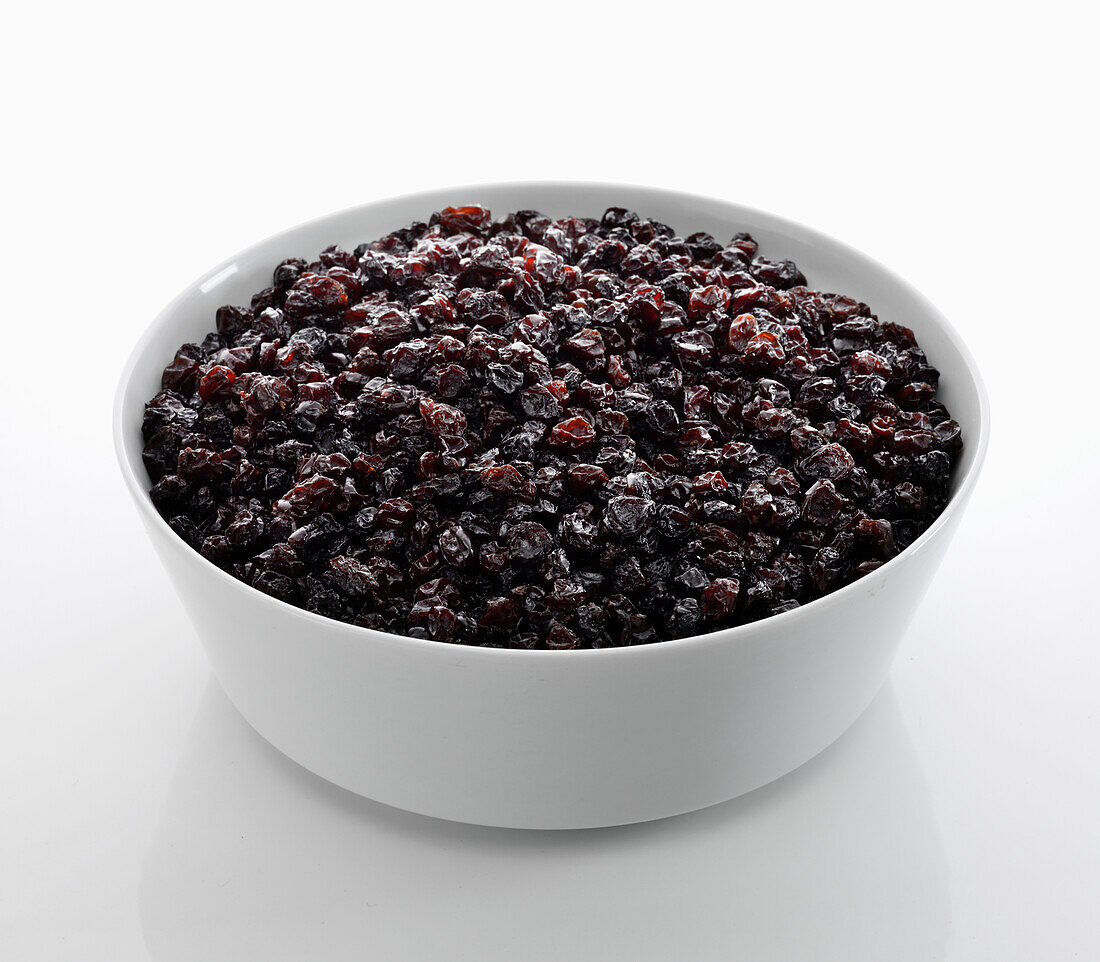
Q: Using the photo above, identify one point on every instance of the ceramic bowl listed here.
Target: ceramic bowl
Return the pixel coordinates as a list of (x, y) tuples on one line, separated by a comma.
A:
[(554, 739)]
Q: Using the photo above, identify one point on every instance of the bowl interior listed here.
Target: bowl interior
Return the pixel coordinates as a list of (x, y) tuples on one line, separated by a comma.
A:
[(828, 265)]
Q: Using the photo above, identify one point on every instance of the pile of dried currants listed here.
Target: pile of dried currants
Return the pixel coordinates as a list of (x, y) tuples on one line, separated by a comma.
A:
[(538, 433)]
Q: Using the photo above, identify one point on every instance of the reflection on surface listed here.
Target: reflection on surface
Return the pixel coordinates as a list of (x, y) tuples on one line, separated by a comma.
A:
[(255, 858)]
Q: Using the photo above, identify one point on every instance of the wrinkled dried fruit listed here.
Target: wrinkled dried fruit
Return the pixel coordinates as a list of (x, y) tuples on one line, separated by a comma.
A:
[(556, 434)]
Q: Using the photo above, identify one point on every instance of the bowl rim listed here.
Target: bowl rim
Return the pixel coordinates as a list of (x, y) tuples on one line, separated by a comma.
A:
[(956, 503)]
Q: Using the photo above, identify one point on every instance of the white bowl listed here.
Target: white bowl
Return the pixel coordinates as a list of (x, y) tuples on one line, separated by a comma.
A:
[(554, 739)]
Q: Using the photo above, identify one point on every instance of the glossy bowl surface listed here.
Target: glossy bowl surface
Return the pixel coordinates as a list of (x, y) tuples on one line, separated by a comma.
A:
[(568, 739)]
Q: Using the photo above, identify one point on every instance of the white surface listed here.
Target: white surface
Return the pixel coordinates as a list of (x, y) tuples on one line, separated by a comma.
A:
[(140, 818), (562, 740)]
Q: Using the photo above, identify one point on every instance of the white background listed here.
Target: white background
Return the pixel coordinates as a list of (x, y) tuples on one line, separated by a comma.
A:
[(140, 817)]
